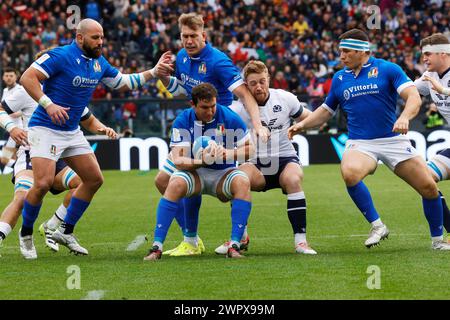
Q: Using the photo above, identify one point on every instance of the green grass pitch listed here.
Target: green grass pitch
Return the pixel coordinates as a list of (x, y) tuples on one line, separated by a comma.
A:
[(125, 207)]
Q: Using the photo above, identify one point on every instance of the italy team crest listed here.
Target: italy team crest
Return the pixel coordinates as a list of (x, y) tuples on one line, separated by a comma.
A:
[(220, 131), (373, 73), (202, 68), (97, 67)]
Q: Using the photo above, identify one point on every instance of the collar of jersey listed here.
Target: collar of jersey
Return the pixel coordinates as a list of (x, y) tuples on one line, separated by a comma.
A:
[(443, 74), (79, 51), (203, 53), (368, 64)]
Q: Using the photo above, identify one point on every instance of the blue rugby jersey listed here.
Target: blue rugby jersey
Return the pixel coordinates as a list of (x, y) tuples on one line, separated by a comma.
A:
[(368, 99), (227, 129), (212, 66), (71, 80)]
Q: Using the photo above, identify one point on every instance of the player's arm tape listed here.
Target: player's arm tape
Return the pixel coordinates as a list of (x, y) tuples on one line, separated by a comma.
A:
[(45, 101), (6, 122), (131, 81), (446, 91), (175, 88)]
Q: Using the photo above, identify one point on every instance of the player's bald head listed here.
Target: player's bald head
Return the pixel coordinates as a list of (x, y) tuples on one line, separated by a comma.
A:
[(90, 37), (88, 25)]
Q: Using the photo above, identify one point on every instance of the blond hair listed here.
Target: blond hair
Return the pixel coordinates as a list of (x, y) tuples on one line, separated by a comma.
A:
[(192, 20), (254, 66)]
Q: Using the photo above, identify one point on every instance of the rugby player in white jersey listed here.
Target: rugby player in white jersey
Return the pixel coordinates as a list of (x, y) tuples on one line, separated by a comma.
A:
[(435, 82), (9, 149), (275, 164)]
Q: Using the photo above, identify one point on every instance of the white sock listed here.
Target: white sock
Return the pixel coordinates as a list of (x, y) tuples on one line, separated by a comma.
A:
[(55, 221), (439, 238), (245, 234), (299, 237), (377, 223), (159, 244), (191, 240), (5, 228)]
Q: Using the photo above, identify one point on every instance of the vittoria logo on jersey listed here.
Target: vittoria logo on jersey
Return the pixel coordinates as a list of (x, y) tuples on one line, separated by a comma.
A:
[(373, 73), (360, 90), (202, 68), (76, 81), (97, 67), (277, 108)]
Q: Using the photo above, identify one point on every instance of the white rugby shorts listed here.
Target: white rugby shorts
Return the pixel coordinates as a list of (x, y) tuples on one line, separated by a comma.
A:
[(391, 151), (55, 144)]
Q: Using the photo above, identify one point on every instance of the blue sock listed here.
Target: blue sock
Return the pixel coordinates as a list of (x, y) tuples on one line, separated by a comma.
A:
[(179, 215), (75, 210), (433, 213), (361, 197), (164, 217), (29, 216), (240, 212), (191, 210)]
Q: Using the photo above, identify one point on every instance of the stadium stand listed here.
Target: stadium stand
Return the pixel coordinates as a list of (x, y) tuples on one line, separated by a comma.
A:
[(296, 39)]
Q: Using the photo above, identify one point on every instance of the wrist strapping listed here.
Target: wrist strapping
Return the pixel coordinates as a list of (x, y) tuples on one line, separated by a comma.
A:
[(45, 101)]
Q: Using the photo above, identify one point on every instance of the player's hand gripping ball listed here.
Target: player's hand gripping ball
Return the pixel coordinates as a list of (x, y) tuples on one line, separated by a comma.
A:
[(205, 145)]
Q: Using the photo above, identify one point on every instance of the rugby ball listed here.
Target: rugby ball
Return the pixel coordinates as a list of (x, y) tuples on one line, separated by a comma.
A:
[(199, 144)]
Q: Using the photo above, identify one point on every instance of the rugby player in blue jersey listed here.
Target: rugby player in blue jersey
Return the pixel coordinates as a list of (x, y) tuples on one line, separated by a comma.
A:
[(198, 62), (214, 174), (70, 75), (367, 90)]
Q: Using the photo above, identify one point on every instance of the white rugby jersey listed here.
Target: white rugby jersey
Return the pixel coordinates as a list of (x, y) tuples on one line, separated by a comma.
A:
[(7, 92), (19, 100), (276, 115), (441, 101)]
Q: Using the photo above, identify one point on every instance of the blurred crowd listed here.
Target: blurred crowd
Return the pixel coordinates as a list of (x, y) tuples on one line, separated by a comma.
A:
[(297, 39)]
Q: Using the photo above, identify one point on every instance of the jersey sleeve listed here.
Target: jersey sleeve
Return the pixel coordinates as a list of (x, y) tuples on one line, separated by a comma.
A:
[(294, 105), (399, 79), (332, 101), (111, 76), (18, 101), (422, 86), (51, 62), (86, 114), (228, 74), (180, 136)]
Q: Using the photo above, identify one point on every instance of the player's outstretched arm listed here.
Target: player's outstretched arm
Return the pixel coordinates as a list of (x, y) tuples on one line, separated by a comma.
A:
[(314, 119), (251, 106), (133, 81), (31, 80), (413, 102), (17, 134), (95, 126)]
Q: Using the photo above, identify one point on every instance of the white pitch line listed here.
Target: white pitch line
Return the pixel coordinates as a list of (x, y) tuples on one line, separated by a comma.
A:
[(95, 295), (136, 243)]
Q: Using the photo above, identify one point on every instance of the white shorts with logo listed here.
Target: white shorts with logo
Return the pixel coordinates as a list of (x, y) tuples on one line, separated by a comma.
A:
[(23, 161), (391, 151), (210, 178), (54, 144)]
